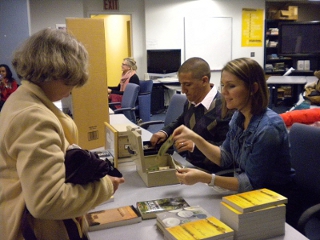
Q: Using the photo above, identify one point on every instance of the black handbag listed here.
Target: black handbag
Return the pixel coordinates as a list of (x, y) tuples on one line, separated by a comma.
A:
[(82, 167)]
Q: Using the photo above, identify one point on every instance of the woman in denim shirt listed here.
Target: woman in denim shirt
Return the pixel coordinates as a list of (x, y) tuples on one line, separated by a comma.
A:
[(257, 143)]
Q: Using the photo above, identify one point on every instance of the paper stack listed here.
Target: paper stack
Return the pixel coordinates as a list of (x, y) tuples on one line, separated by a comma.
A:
[(257, 214)]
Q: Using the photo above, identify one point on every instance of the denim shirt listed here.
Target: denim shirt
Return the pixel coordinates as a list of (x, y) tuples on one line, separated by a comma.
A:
[(261, 151)]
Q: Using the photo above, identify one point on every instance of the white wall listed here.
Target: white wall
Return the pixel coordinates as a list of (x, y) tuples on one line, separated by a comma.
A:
[(47, 13), (155, 23), (14, 29), (135, 8), (165, 29)]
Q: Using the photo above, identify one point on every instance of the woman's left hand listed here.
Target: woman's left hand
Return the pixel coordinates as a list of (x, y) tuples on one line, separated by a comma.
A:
[(190, 176)]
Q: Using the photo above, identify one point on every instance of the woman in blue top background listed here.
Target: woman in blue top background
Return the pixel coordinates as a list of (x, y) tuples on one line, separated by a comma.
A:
[(257, 142)]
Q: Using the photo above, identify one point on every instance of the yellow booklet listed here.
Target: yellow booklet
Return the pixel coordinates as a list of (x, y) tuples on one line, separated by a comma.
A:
[(254, 200), (209, 228)]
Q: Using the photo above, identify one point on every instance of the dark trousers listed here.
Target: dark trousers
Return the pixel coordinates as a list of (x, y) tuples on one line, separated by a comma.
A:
[(1, 104)]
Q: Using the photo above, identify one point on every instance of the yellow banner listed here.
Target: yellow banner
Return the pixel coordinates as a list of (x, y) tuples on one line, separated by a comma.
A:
[(252, 27)]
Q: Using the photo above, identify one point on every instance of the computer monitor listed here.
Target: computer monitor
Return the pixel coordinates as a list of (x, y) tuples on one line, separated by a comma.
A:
[(299, 38), (163, 61)]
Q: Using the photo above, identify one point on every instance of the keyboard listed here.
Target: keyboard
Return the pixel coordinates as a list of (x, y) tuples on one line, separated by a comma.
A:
[(168, 80)]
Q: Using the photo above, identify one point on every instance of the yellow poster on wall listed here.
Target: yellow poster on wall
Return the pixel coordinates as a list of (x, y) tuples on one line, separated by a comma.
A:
[(252, 27)]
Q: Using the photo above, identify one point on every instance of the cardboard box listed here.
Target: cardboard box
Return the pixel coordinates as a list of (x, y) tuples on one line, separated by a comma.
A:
[(300, 65), (306, 65), (293, 12), (153, 171), (290, 14), (90, 102)]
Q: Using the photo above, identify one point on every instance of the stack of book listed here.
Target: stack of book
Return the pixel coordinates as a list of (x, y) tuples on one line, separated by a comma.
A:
[(257, 214), (209, 228)]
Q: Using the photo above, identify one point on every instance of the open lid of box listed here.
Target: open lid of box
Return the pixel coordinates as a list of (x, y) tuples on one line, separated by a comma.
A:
[(135, 140), (139, 149)]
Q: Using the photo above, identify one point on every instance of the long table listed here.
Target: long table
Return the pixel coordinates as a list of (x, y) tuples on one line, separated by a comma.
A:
[(134, 190)]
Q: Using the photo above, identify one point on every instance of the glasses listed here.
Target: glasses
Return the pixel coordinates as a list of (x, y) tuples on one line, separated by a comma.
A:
[(123, 64)]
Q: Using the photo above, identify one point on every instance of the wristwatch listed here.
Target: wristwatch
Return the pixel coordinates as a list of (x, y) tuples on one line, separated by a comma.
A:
[(211, 184)]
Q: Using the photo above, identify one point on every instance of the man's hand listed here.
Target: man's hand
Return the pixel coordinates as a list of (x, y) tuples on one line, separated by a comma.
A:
[(157, 138), (184, 145)]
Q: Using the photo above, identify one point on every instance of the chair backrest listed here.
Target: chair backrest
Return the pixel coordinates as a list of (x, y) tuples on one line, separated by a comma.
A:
[(146, 86), (145, 100), (129, 99), (175, 108), (130, 95), (305, 156)]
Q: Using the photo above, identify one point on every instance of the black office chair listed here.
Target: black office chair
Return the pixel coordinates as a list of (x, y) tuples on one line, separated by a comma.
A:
[(305, 156), (144, 100), (174, 110), (128, 103)]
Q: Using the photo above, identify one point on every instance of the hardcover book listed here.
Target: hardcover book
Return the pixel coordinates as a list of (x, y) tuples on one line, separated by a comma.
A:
[(210, 228), (180, 216), (254, 200), (149, 209), (112, 218)]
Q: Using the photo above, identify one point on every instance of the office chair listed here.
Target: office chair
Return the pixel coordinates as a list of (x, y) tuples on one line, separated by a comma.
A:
[(128, 103), (305, 157), (144, 100), (174, 110)]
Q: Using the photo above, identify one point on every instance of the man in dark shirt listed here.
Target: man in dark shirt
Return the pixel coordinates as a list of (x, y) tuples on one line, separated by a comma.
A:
[(204, 113)]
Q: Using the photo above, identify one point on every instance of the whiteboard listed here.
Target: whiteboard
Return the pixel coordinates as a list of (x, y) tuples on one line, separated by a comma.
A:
[(209, 38)]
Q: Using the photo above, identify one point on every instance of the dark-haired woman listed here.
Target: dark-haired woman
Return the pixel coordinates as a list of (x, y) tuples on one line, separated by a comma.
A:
[(7, 85)]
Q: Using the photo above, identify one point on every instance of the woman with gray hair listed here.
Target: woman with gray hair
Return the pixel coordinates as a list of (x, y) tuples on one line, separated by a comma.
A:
[(34, 138)]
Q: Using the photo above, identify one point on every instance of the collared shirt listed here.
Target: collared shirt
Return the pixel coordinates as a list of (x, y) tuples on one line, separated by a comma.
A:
[(206, 102), (261, 151)]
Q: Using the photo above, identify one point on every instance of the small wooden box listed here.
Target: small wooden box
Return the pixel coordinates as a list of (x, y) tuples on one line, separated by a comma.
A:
[(149, 167)]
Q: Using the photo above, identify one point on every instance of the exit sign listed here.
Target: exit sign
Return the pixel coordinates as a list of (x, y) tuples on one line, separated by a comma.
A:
[(111, 4)]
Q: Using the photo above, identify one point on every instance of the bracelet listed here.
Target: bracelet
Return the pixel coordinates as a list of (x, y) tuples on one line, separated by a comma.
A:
[(211, 184)]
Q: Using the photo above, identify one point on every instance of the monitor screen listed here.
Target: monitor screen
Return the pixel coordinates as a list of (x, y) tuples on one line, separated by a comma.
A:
[(299, 38), (163, 61)]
